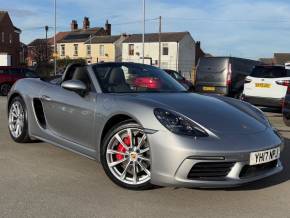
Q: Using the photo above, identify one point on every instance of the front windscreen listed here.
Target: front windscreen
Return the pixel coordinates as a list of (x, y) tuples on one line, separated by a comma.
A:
[(134, 78)]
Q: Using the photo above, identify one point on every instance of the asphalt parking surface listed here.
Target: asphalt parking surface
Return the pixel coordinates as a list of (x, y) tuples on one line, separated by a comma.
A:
[(41, 180)]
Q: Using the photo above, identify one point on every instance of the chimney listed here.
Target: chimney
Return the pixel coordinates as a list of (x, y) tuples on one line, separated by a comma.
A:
[(108, 28), (86, 23), (74, 25)]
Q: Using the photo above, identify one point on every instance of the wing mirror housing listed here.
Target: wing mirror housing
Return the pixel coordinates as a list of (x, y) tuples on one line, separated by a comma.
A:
[(76, 86)]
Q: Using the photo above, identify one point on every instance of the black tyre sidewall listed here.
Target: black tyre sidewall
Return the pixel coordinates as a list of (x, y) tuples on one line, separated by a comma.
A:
[(1, 86), (24, 137), (110, 134)]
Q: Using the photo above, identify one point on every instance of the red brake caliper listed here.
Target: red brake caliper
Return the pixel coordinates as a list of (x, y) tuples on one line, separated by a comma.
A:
[(121, 148)]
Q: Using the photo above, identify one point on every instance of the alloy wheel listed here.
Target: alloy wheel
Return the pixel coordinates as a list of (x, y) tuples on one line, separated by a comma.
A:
[(16, 119), (128, 156)]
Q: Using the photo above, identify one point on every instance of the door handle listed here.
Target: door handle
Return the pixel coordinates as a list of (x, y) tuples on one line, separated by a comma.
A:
[(46, 98)]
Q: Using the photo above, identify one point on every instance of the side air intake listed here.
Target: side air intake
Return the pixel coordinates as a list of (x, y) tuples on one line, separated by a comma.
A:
[(38, 108)]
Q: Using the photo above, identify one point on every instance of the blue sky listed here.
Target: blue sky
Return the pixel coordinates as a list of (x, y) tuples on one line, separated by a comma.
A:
[(244, 28)]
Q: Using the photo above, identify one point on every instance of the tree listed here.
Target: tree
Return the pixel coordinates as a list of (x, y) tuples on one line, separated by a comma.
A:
[(41, 51)]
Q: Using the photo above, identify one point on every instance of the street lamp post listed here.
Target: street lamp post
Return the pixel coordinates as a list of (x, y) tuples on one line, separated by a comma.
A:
[(143, 36), (54, 39), (46, 43)]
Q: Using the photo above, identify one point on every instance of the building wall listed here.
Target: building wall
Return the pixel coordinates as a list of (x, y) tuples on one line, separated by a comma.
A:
[(95, 57), (186, 60), (109, 53), (69, 50), (152, 53), (10, 47)]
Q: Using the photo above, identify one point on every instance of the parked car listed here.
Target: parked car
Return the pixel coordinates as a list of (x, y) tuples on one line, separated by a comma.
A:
[(223, 75), (267, 85), (175, 75), (145, 128), (9, 75), (287, 66), (286, 107)]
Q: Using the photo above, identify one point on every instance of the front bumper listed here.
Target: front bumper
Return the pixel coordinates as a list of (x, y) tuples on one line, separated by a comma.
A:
[(173, 157)]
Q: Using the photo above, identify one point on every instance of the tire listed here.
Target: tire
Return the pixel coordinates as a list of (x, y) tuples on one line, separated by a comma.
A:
[(120, 162), (17, 118), (239, 95), (4, 89)]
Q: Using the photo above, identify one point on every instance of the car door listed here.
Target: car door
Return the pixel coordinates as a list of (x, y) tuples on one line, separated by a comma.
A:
[(69, 115), (5, 76), (16, 74)]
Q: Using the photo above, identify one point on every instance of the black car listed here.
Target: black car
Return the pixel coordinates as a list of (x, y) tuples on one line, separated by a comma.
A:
[(187, 84), (286, 108)]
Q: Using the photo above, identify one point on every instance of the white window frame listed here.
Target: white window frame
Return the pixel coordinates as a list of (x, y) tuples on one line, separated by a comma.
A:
[(62, 50), (10, 38), (76, 50), (89, 50), (165, 45), (129, 49), (102, 50)]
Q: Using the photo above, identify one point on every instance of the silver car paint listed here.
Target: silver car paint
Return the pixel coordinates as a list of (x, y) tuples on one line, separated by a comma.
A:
[(76, 123)]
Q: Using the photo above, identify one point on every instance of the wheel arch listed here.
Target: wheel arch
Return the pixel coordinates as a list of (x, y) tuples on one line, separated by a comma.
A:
[(114, 120), (11, 97)]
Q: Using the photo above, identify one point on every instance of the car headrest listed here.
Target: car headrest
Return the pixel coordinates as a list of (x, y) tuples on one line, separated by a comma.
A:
[(117, 76), (79, 74)]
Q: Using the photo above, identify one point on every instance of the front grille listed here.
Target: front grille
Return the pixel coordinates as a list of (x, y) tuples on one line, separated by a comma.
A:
[(255, 170), (210, 170)]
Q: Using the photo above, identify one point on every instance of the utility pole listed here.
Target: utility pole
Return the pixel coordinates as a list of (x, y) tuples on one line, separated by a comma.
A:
[(46, 43), (160, 30), (54, 39), (143, 36)]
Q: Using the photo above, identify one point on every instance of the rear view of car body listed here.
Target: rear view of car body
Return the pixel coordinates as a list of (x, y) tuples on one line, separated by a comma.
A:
[(222, 75), (267, 86)]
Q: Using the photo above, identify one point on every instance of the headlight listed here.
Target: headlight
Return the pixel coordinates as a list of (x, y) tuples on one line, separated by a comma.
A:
[(178, 124)]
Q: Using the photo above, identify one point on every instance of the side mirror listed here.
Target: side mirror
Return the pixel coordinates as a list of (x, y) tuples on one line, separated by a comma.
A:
[(75, 86)]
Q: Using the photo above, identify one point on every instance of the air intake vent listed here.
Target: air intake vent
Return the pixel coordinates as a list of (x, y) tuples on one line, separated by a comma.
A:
[(255, 170), (38, 108), (210, 170)]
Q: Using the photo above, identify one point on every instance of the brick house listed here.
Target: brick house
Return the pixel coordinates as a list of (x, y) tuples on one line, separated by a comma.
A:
[(278, 58), (30, 59), (10, 46)]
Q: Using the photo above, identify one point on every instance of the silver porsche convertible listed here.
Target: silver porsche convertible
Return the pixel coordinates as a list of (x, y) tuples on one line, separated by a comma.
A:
[(145, 128)]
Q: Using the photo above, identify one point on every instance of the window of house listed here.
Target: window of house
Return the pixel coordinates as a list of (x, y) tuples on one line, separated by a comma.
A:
[(76, 49), (131, 49), (2, 37), (102, 50), (62, 50), (10, 38), (88, 50), (165, 49)]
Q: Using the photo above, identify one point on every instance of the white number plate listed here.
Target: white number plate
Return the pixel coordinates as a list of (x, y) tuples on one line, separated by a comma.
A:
[(260, 157)]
